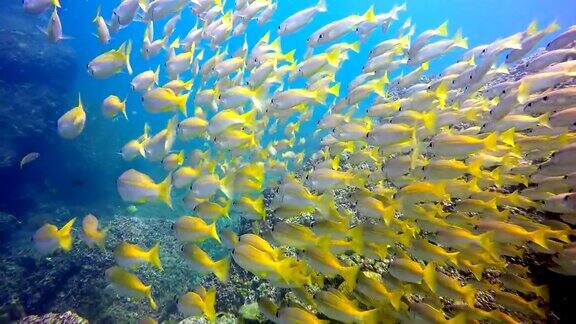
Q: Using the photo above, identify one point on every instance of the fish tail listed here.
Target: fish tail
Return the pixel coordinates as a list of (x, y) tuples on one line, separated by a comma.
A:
[(332, 57), (323, 204), (150, 298), (143, 5), (250, 118), (544, 120), (355, 47), (209, 302), (460, 41), (283, 268), (157, 75), (388, 214), (429, 276), (181, 157), (469, 295), (491, 141), (442, 30), (64, 236), (485, 241), (542, 292), (508, 137), (372, 316), (289, 57), (379, 85), (539, 237), (227, 186), (395, 298), (227, 206), (554, 26), (154, 256), (441, 93), (188, 84), (56, 3), (349, 274), (533, 305), (453, 257), (335, 90), (164, 190), (221, 269), (127, 52), (477, 270), (523, 91), (181, 101), (458, 319), (429, 120), (213, 233), (425, 66), (475, 168), (257, 97), (321, 6), (357, 239)]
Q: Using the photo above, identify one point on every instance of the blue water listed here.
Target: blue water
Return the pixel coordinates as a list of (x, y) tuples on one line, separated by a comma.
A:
[(81, 174), (83, 171)]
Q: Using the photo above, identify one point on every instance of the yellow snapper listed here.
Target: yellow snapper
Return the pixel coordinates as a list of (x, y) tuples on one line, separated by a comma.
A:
[(48, 238), (129, 285), (137, 187), (130, 256), (199, 302), (107, 64), (71, 124), (90, 233)]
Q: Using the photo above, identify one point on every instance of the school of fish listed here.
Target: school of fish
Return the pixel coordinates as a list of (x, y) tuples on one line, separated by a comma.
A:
[(458, 174)]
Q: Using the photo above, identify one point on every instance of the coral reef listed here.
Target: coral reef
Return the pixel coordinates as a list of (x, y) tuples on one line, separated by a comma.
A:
[(68, 317)]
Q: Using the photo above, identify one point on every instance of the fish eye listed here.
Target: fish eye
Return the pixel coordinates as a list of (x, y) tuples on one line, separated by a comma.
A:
[(484, 51), (308, 40), (182, 249), (142, 99), (453, 81), (172, 226), (545, 98), (277, 313), (470, 76), (507, 56), (566, 198), (430, 145), (334, 130), (367, 134)]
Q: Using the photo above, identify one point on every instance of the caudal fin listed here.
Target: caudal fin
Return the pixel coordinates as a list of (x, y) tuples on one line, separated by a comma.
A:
[(182, 100), (164, 190), (154, 256), (150, 299), (349, 274), (539, 237), (209, 302), (221, 269), (430, 276), (371, 316), (321, 6), (127, 52), (64, 236)]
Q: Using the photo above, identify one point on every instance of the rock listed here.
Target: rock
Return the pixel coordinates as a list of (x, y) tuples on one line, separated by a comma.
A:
[(54, 318)]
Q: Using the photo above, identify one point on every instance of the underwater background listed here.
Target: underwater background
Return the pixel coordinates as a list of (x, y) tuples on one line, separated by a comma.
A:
[(39, 81)]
